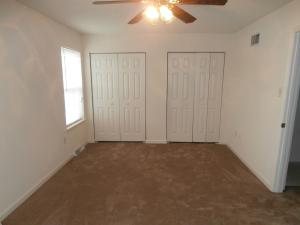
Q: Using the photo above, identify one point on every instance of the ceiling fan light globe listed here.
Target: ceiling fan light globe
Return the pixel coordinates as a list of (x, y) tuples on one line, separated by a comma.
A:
[(151, 13), (166, 15), (173, 1)]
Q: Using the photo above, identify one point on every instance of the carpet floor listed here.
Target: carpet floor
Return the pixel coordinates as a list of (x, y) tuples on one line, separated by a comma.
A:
[(173, 184)]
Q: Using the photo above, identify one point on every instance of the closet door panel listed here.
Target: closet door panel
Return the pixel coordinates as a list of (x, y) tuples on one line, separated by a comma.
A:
[(132, 96), (214, 97), (180, 97), (201, 96), (105, 96)]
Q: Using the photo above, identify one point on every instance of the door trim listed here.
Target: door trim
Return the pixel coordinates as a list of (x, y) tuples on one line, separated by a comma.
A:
[(289, 117)]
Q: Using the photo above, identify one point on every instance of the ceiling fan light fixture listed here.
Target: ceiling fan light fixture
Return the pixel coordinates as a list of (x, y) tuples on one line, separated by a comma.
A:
[(166, 15), (151, 13), (163, 10)]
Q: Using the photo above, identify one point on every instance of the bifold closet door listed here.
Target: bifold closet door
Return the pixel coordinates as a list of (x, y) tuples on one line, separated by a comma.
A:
[(214, 100), (180, 97), (132, 96), (105, 96), (194, 96), (201, 96)]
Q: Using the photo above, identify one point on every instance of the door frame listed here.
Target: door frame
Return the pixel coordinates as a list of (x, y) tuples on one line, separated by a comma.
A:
[(290, 107), (167, 91), (92, 91)]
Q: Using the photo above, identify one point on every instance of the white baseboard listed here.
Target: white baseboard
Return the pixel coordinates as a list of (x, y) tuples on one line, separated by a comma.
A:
[(156, 142), (34, 188), (254, 171)]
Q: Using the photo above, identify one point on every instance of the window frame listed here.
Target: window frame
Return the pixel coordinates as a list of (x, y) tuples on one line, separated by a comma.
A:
[(82, 119)]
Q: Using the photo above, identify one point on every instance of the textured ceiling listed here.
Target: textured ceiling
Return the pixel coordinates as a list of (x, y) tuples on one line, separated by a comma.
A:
[(87, 18)]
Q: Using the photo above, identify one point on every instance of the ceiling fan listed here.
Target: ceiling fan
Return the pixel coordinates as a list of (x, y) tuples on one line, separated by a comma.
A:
[(164, 10)]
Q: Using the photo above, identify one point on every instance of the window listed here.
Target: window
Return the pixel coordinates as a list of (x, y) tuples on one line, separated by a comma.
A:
[(73, 93)]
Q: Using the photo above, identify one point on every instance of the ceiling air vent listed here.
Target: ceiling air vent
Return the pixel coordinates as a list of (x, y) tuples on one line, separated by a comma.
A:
[(255, 39)]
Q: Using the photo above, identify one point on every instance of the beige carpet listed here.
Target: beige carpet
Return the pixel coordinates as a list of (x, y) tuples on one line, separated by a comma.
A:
[(139, 184)]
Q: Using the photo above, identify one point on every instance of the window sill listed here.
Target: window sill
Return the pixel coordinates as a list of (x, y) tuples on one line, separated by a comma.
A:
[(73, 125)]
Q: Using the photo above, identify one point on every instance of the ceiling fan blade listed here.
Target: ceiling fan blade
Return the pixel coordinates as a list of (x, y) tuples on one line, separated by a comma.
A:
[(137, 18), (203, 2), (182, 14), (115, 2)]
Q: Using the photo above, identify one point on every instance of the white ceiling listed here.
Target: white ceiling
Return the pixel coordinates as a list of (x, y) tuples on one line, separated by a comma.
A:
[(90, 19)]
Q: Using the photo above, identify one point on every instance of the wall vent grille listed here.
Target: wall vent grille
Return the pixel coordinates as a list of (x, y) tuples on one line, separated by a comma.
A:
[(255, 39)]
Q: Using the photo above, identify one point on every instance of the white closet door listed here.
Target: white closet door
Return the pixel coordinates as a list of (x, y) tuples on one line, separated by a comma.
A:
[(214, 97), (105, 96), (180, 97), (201, 95), (132, 96)]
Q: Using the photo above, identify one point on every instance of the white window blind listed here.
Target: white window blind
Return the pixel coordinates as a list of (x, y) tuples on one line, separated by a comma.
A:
[(73, 93)]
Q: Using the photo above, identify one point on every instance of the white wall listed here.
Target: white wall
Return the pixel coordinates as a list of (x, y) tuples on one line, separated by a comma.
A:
[(32, 124), (255, 89), (156, 47)]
